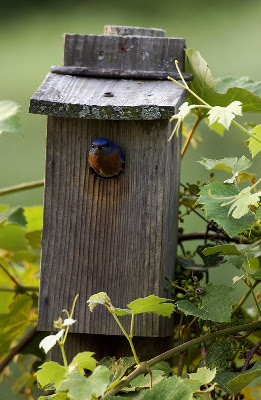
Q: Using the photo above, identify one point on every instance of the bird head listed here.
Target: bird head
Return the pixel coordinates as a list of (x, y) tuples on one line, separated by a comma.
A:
[(102, 145)]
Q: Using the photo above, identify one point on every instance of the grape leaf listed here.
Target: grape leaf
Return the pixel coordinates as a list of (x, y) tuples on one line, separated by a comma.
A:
[(240, 205), (50, 373), (214, 210), (204, 85), (218, 354), (203, 375), (84, 361), (13, 215), (14, 324), (253, 145), (244, 82), (216, 304), (232, 165), (12, 237), (34, 217), (81, 388), (9, 119), (143, 381), (173, 388), (225, 115), (152, 304), (234, 382), (118, 368), (56, 396), (98, 298)]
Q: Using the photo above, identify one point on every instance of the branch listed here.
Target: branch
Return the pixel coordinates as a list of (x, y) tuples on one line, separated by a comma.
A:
[(211, 236), (21, 186), (191, 133), (250, 355), (15, 350), (142, 368)]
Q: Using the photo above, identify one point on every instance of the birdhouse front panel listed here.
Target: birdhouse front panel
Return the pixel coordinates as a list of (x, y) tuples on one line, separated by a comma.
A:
[(111, 191)]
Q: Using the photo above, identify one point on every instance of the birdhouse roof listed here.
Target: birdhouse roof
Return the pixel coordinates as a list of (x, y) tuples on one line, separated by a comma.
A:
[(106, 99)]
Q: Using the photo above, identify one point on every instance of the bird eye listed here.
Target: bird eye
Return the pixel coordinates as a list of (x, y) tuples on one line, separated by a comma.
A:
[(93, 146)]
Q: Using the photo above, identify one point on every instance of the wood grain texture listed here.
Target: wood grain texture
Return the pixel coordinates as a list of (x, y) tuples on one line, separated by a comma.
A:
[(132, 53), (111, 346), (112, 73), (133, 30), (116, 235), (78, 97)]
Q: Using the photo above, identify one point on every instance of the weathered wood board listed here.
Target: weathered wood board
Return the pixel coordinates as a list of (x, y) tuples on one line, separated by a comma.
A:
[(81, 97), (116, 235), (133, 53)]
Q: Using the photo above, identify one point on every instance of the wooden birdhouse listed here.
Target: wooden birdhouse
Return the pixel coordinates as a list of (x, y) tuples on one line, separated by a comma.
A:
[(114, 235)]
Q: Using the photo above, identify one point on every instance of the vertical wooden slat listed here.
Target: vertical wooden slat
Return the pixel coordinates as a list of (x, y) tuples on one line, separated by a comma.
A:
[(117, 235)]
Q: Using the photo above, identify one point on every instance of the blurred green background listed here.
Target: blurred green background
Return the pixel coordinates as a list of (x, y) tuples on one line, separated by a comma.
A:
[(227, 33)]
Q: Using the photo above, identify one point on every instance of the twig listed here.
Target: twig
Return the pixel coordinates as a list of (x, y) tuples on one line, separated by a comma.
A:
[(21, 186), (13, 279), (142, 368), (15, 350), (250, 355), (244, 298), (211, 236), (247, 341), (191, 133)]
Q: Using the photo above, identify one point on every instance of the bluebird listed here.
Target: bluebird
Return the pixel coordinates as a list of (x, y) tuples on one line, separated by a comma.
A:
[(106, 158)]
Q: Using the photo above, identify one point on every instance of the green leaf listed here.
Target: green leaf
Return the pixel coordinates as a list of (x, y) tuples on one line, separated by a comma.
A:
[(34, 239), (121, 312), (119, 368), (173, 388), (56, 396), (14, 324), (12, 237), (234, 382), (225, 115), (218, 354), (204, 375), (242, 380), (162, 366), (34, 217), (216, 304), (13, 215), (241, 203), (227, 249), (81, 388), (253, 145), (232, 165), (214, 210), (143, 381), (244, 82), (98, 298), (84, 361), (152, 304), (50, 373), (9, 120), (204, 85)]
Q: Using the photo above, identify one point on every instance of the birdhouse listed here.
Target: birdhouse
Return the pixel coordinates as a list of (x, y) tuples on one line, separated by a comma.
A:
[(116, 235)]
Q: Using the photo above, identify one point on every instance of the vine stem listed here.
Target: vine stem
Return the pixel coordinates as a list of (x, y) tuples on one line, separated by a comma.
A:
[(21, 186), (129, 338), (15, 350), (251, 286), (189, 138), (245, 297), (142, 368), (184, 85)]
